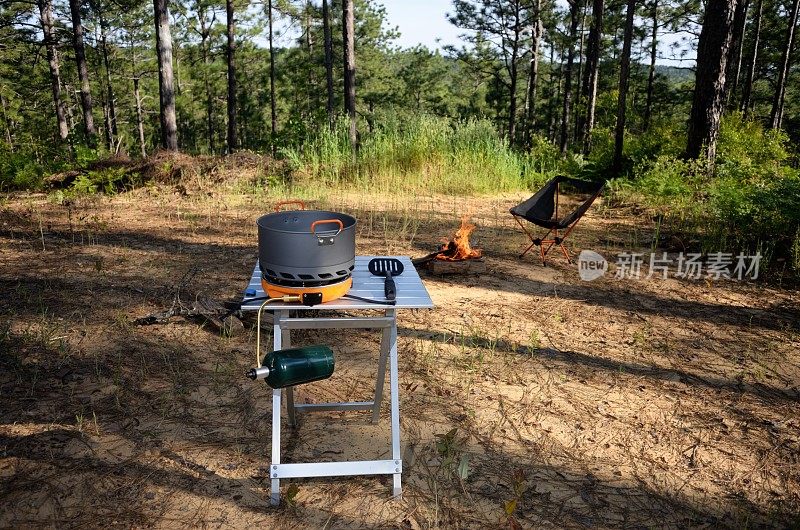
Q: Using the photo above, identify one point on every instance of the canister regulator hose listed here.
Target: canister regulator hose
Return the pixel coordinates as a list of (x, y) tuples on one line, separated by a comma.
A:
[(287, 299)]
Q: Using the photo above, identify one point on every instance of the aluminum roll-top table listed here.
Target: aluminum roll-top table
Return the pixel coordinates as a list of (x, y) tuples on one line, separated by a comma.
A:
[(411, 294)]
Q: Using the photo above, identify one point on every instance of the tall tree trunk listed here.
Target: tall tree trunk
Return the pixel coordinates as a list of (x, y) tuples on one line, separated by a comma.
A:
[(581, 99), (166, 83), (512, 103), (112, 111), (747, 91), (624, 76), (230, 51), (180, 112), (590, 73), (205, 31), (712, 55), (71, 101), (106, 116), (272, 108), (574, 8), (651, 73), (776, 117), (533, 76), (46, 18), (83, 72), (307, 19), (555, 93), (98, 74), (735, 51), (513, 74), (326, 29), (348, 37), (313, 100), (139, 118), (137, 99)]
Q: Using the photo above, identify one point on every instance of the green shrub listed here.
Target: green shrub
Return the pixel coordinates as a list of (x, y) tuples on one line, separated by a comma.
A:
[(19, 170), (749, 202), (670, 182), (755, 191), (639, 150), (749, 153), (85, 155), (108, 180), (544, 158), (766, 208), (661, 139), (26, 167), (602, 152)]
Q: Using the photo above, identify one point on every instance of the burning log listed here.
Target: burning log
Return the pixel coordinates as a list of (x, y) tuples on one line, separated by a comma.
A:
[(464, 266), (455, 256), (459, 248), (433, 255)]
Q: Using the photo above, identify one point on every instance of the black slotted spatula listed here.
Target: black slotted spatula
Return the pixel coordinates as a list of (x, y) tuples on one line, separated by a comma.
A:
[(388, 268)]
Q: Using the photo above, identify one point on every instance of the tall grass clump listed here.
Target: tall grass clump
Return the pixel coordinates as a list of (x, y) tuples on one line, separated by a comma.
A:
[(422, 153)]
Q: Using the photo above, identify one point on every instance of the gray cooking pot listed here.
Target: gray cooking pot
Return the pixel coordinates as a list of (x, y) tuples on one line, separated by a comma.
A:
[(306, 246)]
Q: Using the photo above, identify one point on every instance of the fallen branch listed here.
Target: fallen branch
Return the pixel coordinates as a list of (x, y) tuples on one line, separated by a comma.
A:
[(201, 307)]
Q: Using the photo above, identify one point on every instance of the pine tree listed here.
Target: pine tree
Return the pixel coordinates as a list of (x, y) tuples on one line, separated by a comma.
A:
[(230, 51), (776, 116), (83, 71), (166, 83), (46, 20), (624, 78), (500, 24), (712, 55), (348, 37)]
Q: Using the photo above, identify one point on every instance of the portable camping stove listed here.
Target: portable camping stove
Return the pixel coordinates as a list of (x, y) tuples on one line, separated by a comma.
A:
[(328, 289)]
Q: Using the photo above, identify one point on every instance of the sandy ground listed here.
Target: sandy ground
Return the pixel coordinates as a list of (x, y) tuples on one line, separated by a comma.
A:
[(529, 398)]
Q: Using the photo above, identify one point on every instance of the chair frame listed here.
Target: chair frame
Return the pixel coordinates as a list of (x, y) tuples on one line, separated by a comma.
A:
[(550, 243)]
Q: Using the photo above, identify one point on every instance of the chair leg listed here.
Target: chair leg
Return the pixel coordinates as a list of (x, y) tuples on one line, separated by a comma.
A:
[(525, 230), (566, 253), (527, 250), (550, 242), (534, 242)]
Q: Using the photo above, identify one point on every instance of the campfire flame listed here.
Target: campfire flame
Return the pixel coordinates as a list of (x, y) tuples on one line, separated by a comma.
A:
[(459, 248)]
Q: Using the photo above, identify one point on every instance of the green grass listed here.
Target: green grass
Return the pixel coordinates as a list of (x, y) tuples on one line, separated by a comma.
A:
[(422, 153)]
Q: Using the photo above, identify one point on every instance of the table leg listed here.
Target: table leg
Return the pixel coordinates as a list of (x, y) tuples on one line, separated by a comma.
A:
[(394, 388), (385, 345), (275, 487)]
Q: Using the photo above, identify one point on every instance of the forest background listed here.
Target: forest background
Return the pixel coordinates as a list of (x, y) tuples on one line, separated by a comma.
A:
[(95, 92)]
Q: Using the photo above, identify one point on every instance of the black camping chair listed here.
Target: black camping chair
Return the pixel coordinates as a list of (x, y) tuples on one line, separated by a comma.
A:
[(542, 210)]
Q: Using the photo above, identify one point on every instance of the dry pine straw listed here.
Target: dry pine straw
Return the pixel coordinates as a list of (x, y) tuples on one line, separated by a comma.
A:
[(649, 403)]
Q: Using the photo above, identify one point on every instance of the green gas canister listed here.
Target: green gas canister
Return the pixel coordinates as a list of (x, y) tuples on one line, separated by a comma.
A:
[(295, 366)]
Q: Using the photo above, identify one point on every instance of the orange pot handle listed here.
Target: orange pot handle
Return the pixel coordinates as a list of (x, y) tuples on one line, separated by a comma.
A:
[(325, 221), (284, 203)]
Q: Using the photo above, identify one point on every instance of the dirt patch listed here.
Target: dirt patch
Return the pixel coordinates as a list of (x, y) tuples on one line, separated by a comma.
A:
[(526, 395)]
